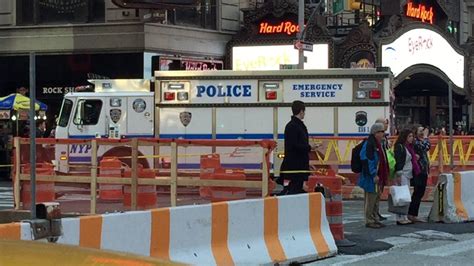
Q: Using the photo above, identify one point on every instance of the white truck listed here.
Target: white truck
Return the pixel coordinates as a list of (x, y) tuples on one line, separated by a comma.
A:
[(224, 105)]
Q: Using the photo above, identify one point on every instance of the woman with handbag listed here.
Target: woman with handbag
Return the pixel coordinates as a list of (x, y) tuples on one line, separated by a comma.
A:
[(406, 165), (422, 146)]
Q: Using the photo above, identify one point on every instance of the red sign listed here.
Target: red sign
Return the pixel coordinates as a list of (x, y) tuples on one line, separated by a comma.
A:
[(287, 27), (420, 12)]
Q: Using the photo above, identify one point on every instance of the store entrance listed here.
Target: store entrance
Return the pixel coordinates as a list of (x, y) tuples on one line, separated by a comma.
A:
[(422, 98)]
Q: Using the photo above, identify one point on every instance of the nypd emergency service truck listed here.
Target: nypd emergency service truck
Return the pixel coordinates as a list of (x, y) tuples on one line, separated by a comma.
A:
[(225, 105)]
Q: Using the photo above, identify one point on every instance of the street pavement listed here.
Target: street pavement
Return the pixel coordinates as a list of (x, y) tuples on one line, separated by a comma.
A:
[(415, 244)]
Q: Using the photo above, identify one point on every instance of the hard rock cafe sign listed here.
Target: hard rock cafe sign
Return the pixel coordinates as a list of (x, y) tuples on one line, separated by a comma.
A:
[(285, 27), (421, 12)]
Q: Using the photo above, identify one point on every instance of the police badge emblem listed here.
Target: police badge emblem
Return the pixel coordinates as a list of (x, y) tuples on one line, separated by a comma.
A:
[(185, 118), (115, 115)]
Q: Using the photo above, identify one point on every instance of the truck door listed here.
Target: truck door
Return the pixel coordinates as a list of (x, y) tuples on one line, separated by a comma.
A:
[(87, 122)]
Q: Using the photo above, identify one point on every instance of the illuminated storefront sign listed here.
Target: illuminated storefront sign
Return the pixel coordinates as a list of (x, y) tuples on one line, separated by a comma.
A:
[(423, 46), (421, 12), (170, 63), (286, 27), (270, 57)]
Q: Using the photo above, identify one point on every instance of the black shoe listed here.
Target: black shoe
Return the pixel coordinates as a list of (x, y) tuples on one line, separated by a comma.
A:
[(382, 218)]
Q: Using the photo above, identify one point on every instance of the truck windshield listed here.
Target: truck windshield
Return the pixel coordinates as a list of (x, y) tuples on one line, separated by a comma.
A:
[(65, 113)]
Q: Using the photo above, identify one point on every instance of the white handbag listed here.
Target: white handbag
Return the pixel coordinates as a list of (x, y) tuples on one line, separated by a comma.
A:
[(400, 195)]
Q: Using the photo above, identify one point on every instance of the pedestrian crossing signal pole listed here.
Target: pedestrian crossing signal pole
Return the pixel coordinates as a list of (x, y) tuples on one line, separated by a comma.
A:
[(33, 133), (300, 33), (451, 124), (315, 5)]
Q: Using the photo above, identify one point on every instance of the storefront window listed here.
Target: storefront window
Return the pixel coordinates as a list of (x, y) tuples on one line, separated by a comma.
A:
[(60, 11), (202, 15)]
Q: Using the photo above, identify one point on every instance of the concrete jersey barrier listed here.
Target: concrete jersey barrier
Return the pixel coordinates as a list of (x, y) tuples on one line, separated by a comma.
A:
[(258, 231), (453, 200), (16, 231)]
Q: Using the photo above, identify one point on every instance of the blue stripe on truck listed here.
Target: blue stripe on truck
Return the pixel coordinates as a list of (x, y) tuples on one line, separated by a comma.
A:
[(249, 136), (123, 136)]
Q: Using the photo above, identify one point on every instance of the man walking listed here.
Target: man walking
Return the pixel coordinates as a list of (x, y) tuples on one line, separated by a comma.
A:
[(297, 148)]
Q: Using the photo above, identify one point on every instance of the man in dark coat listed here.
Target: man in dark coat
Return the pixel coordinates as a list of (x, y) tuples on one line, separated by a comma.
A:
[(297, 148)]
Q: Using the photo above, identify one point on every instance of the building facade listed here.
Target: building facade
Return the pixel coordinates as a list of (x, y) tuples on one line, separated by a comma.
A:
[(75, 40), (426, 44)]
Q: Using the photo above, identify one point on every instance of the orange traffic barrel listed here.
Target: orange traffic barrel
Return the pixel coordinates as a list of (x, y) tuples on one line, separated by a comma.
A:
[(110, 167), (44, 189), (209, 164), (146, 195), (228, 193), (334, 214), (334, 205)]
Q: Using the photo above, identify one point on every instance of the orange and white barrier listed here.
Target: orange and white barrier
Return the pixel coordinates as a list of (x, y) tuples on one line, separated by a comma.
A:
[(453, 199), (16, 231), (258, 231)]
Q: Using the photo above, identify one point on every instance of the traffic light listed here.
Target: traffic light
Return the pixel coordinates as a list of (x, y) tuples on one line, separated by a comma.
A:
[(355, 4)]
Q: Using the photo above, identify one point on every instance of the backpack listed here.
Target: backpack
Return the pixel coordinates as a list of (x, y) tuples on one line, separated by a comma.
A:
[(356, 162)]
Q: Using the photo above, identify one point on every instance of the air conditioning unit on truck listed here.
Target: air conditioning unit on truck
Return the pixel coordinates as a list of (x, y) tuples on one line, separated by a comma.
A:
[(229, 105)]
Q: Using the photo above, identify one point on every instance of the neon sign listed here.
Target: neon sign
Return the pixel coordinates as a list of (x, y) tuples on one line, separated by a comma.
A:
[(287, 27), (420, 12)]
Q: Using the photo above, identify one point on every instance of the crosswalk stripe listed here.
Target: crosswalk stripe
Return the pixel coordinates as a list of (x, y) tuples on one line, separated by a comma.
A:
[(448, 250), (398, 241)]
